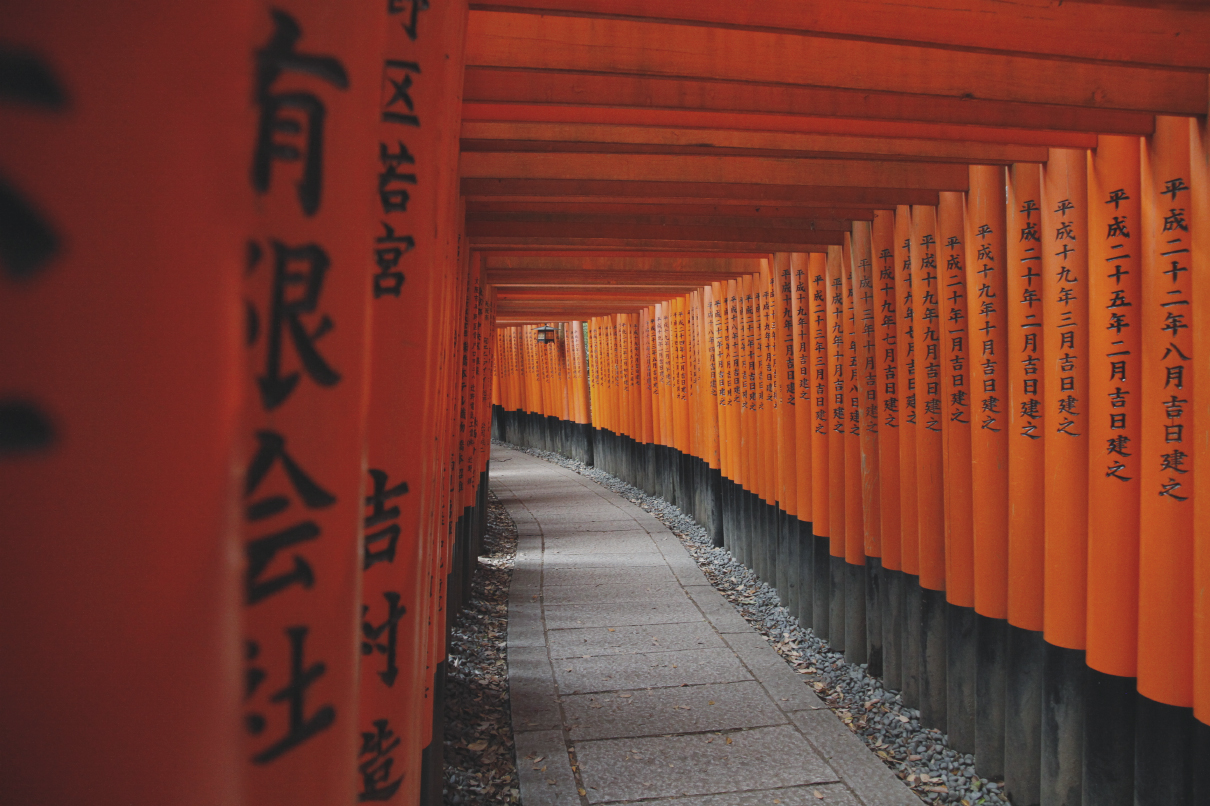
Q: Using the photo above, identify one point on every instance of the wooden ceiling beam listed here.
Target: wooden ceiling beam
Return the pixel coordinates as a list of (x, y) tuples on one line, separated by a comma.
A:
[(1065, 30), (555, 191), (517, 136), (637, 208), (613, 45), (513, 278), (484, 85), (715, 170), (660, 219), (627, 263), (569, 243), (803, 124), (511, 253)]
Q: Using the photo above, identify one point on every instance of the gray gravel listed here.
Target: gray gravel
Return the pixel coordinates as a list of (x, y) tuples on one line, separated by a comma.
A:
[(480, 758), (918, 755)]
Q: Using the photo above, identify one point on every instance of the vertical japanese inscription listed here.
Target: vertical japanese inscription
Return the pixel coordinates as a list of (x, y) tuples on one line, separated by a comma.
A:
[(28, 241), (290, 129)]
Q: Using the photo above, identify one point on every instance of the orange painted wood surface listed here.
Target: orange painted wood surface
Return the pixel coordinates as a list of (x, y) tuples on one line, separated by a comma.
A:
[(957, 377), (610, 45), (889, 386), (1115, 403), (987, 312), (1166, 570), (1028, 421)]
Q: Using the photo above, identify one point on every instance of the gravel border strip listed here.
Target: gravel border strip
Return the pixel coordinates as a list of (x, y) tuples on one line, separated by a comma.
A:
[(480, 756), (920, 756)]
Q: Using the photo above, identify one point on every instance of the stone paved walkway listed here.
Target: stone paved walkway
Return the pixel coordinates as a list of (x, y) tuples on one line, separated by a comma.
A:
[(633, 680)]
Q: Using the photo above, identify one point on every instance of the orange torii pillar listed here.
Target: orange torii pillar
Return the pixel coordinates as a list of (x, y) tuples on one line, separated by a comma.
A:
[(987, 309), (650, 405), (711, 368), (729, 437), (1169, 441), (888, 394), (743, 430), (804, 422), (126, 210), (416, 228), (865, 387), (783, 372), (1065, 388), (928, 599), (956, 382), (838, 372), (1199, 207), (821, 438), (769, 421), (854, 533), (313, 161), (907, 597), (1026, 440)]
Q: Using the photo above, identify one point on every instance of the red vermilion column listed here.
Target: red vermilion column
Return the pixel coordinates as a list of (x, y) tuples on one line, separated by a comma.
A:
[(415, 221), (853, 393), (1199, 170), (905, 291), (955, 400), (1114, 403), (1023, 717), (1065, 378), (865, 303), (821, 436), (123, 216), (784, 379), (711, 365), (804, 408), (838, 371), (312, 160), (886, 366), (1026, 416), (987, 307), (1167, 445), (927, 333), (837, 414)]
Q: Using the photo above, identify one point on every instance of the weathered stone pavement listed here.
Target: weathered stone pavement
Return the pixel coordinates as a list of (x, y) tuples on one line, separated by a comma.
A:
[(633, 680)]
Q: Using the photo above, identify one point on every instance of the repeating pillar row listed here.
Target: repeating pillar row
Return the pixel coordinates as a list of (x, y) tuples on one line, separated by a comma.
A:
[(250, 398), (963, 448)]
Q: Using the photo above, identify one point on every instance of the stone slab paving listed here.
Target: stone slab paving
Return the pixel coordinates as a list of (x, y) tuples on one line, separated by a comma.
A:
[(634, 681)]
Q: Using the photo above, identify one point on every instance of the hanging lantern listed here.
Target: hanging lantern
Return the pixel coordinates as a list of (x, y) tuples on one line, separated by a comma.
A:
[(546, 335)]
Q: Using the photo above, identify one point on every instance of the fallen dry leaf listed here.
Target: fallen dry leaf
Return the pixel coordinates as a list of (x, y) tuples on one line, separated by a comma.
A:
[(477, 746)]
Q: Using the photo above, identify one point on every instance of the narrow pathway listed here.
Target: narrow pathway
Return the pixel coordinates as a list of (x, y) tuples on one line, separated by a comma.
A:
[(633, 680)]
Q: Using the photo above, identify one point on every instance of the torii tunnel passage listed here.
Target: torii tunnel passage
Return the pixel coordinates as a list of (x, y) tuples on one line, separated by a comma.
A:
[(908, 303)]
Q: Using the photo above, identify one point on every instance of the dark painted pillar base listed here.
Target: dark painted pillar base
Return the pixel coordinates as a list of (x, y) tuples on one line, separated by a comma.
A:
[(432, 761), (1062, 779), (892, 629), (1165, 736), (873, 615), (714, 525), (962, 628), (806, 574), (933, 686), (821, 616), (790, 562), (1109, 715), (856, 650), (913, 640), (1023, 716), (836, 566), (771, 548), (1201, 764), (991, 657)]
